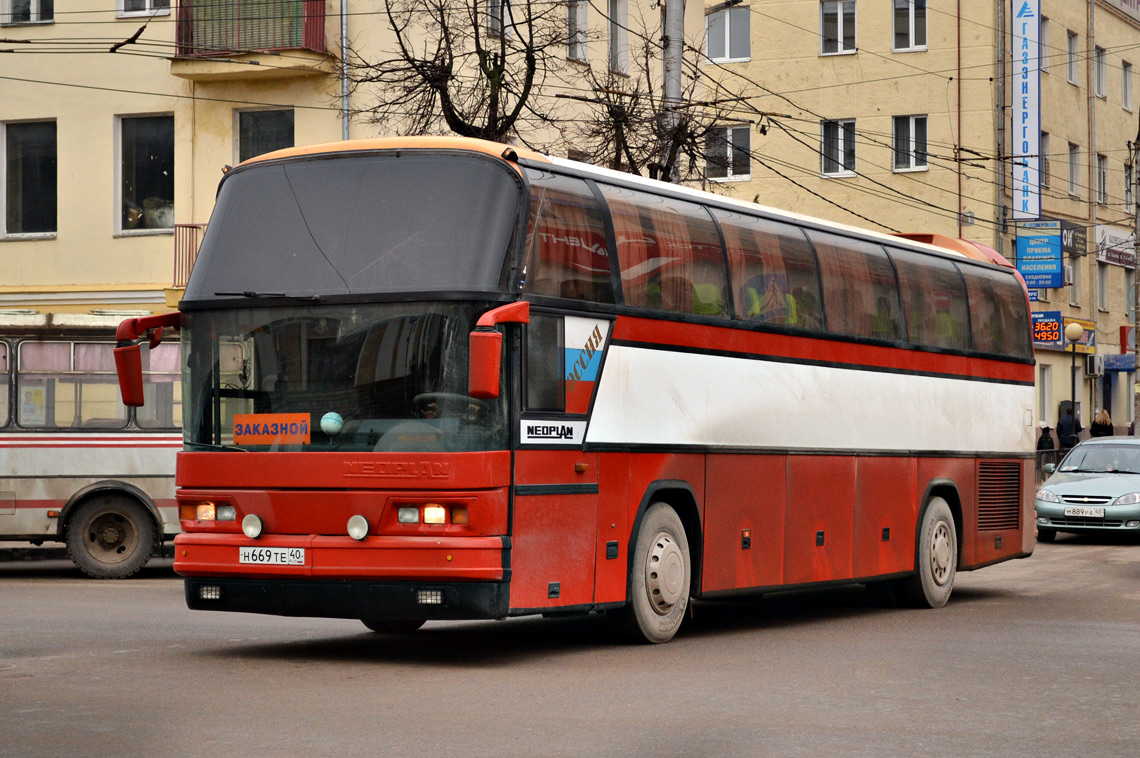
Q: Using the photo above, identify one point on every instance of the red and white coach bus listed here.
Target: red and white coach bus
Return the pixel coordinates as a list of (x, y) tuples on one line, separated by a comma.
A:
[(437, 378), (76, 465)]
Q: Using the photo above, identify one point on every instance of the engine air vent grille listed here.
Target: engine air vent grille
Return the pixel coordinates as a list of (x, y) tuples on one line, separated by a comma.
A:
[(999, 495)]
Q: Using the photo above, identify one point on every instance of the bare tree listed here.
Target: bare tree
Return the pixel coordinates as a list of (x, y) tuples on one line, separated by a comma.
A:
[(467, 67)]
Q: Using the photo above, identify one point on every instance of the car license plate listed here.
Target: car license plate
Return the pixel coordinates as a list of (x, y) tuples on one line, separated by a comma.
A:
[(272, 556), (1081, 511)]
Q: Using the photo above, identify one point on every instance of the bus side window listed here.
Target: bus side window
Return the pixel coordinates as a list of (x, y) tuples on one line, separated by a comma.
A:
[(998, 315), (4, 415), (859, 288), (773, 271), (669, 252), (566, 254), (934, 306), (162, 387), (68, 385), (545, 359)]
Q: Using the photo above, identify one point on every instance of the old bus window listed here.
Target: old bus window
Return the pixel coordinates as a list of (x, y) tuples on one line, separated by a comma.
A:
[(669, 252), (68, 385), (773, 271), (3, 384), (545, 356), (566, 253), (859, 289), (162, 387), (998, 314), (934, 300)]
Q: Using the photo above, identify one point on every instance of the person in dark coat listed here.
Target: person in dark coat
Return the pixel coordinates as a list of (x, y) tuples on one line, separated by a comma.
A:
[(1069, 429), (1101, 425), (1045, 441)]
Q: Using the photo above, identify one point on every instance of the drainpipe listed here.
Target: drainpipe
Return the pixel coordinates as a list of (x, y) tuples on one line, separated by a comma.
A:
[(999, 227)]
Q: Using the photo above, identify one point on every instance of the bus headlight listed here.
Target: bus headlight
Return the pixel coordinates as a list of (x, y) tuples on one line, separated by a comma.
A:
[(408, 515), (358, 527), (251, 525), (435, 514)]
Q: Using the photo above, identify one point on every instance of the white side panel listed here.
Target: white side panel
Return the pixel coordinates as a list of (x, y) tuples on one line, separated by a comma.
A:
[(654, 397)]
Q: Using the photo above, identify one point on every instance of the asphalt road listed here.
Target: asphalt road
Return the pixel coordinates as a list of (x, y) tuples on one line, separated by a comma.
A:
[(1035, 657)]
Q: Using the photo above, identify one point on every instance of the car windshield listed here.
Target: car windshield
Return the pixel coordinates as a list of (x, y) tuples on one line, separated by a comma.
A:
[(378, 377), (1118, 459)]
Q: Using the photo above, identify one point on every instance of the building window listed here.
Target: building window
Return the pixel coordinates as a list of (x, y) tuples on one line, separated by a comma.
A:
[(1075, 287), (499, 19), (1101, 179), (1074, 170), (1044, 159), (146, 167), (577, 28), (910, 25), (1102, 286), (837, 27), (729, 35), (261, 132), (910, 143), (1043, 55), (27, 11), (617, 37), (1071, 58), (142, 7), (29, 177), (838, 147), (1128, 186), (1126, 85), (728, 153), (1101, 72)]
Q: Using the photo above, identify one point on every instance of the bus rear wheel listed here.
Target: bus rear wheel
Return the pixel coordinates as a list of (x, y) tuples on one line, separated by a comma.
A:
[(390, 626), (659, 579), (937, 560), (110, 537)]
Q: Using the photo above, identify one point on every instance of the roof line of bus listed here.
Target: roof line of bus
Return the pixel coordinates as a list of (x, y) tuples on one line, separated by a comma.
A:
[(469, 144)]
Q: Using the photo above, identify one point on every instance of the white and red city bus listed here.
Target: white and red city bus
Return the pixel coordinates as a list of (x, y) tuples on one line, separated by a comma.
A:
[(438, 378), (76, 465)]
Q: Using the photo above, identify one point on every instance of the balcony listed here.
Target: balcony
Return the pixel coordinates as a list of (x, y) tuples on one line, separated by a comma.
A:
[(224, 40)]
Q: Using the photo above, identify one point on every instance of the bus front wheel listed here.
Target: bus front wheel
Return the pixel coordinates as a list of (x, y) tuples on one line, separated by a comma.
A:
[(937, 559), (110, 537), (659, 579)]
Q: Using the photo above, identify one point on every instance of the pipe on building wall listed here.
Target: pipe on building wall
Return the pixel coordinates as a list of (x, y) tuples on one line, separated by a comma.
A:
[(999, 227)]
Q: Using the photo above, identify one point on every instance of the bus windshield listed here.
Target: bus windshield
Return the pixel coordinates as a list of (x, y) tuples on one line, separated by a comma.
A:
[(359, 224), (375, 377)]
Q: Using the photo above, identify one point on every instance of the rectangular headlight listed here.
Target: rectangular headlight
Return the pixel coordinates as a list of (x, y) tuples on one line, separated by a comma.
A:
[(226, 513), (435, 514), (205, 512), (408, 515)]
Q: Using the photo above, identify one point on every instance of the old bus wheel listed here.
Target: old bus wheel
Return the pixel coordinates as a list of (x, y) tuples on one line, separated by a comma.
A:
[(110, 537), (659, 579), (937, 559), (389, 626)]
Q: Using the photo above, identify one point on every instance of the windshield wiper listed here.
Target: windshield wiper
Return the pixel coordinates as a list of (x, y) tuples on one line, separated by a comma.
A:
[(212, 446), (269, 295)]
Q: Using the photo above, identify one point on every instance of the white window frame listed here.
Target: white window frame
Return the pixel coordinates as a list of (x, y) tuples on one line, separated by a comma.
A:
[(617, 42), (577, 31), (1044, 162), (912, 47), (729, 176), (1071, 55), (150, 10), (1101, 72), (912, 151), (728, 14), (836, 6), (500, 21), (1102, 286), (1126, 86), (4, 233), (1101, 179), (1074, 169), (1075, 287), (840, 147), (1043, 48), (34, 14)]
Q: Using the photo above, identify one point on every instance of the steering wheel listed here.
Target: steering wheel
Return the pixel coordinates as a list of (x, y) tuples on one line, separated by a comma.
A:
[(451, 404)]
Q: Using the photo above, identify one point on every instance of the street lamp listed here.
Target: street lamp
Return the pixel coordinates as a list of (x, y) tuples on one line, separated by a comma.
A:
[(1073, 333)]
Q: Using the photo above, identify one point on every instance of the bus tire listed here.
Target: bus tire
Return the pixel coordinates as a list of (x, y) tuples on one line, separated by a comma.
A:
[(659, 578), (110, 536), (937, 559), (389, 626)]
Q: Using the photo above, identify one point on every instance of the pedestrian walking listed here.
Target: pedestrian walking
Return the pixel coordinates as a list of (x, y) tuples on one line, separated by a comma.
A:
[(1102, 425)]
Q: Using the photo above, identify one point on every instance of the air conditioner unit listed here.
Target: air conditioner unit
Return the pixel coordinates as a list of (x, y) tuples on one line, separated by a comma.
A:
[(1068, 275), (1094, 365)]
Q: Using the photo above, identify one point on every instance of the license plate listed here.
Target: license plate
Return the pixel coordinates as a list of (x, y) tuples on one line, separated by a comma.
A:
[(1081, 511), (272, 556)]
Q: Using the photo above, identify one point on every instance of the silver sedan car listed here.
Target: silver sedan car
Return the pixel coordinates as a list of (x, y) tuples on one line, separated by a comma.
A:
[(1096, 488)]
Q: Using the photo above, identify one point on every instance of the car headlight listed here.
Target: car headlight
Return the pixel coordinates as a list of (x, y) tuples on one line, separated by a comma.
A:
[(1047, 496), (1132, 498)]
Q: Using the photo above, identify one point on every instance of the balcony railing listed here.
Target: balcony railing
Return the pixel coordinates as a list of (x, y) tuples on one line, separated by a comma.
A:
[(187, 238), (208, 28)]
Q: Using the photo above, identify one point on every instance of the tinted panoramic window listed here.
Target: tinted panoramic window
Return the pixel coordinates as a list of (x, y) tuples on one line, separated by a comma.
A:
[(934, 300), (383, 223), (859, 291), (999, 315)]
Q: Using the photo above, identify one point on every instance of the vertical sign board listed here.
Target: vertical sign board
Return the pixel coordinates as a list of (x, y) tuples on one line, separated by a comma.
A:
[(1047, 330), (1026, 133), (1039, 258)]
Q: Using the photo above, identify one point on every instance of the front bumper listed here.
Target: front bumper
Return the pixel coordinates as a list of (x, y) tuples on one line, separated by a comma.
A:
[(1116, 518)]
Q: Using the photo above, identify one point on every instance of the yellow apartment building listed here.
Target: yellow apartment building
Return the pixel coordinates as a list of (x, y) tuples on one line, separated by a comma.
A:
[(906, 116)]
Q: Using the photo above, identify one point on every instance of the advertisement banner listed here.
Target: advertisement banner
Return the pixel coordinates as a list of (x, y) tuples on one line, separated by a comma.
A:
[(1115, 245), (1039, 257), (1026, 101)]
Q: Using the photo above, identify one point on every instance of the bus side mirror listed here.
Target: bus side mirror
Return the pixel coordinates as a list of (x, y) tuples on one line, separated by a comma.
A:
[(128, 353), (485, 349)]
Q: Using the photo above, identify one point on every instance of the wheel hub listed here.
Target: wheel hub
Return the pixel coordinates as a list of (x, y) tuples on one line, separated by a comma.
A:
[(941, 553), (110, 536), (664, 573)]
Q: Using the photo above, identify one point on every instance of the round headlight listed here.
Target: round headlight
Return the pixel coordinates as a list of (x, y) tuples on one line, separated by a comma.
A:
[(1047, 496), (251, 525), (358, 527)]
